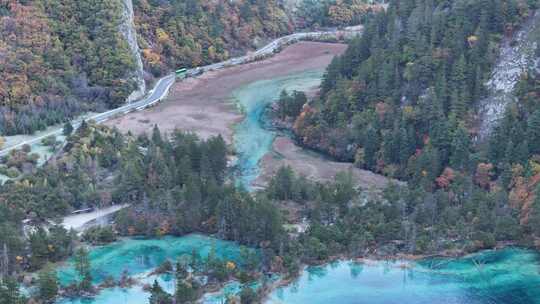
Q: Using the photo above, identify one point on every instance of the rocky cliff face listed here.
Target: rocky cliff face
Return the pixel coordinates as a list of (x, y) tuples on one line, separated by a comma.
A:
[(517, 55), (128, 31)]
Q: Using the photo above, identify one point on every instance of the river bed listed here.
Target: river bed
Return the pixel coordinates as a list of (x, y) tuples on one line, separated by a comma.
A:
[(508, 276), (252, 140)]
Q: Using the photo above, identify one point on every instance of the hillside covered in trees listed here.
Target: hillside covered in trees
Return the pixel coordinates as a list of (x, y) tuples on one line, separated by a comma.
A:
[(403, 101), (334, 13), (59, 59), (194, 32)]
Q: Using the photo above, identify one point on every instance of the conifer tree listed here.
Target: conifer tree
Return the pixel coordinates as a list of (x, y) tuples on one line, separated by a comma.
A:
[(217, 156), (82, 266), (460, 148), (371, 146), (68, 129), (156, 136), (158, 295), (533, 132), (9, 292), (48, 284)]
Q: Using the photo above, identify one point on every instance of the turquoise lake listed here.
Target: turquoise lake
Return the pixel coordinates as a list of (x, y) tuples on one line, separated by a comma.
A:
[(509, 276), (138, 257), (251, 139)]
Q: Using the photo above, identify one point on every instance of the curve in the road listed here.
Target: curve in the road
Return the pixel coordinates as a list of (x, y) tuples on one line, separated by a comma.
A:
[(162, 86)]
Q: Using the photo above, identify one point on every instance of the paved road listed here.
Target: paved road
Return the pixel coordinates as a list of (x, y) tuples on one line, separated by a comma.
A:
[(161, 89), (155, 95), (81, 222)]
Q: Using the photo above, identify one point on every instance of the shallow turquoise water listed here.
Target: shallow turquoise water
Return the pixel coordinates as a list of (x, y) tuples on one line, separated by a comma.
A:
[(508, 276), (117, 295), (234, 288), (251, 139), (137, 256), (141, 256)]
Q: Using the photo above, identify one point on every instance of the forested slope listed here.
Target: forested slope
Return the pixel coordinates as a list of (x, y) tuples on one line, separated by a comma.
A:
[(61, 58), (58, 58), (411, 81), (194, 32), (314, 13), (403, 101)]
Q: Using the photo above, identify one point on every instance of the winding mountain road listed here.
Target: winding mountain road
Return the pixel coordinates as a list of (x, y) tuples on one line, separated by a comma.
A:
[(159, 92), (162, 86)]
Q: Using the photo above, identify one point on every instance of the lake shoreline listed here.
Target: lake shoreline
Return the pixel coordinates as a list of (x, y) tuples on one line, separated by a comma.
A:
[(137, 280), (400, 261)]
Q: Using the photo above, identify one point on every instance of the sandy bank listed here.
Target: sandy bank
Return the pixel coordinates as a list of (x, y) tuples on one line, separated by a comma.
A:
[(203, 105), (313, 166)]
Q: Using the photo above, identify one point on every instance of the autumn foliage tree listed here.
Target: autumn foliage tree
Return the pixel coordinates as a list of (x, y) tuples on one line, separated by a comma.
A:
[(194, 32), (58, 58)]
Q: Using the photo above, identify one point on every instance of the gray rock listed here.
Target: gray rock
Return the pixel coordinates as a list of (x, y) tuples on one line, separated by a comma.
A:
[(517, 55)]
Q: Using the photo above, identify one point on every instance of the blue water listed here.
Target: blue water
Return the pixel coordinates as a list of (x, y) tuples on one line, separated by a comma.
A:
[(138, 257), (132, 295), (508, 276), (251, 139)]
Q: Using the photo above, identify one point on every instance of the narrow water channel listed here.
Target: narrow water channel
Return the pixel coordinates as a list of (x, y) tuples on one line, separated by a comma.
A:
[(251, 139)]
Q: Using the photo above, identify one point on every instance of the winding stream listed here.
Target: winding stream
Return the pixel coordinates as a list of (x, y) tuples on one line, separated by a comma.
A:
[(509, 276), (251, 139)]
